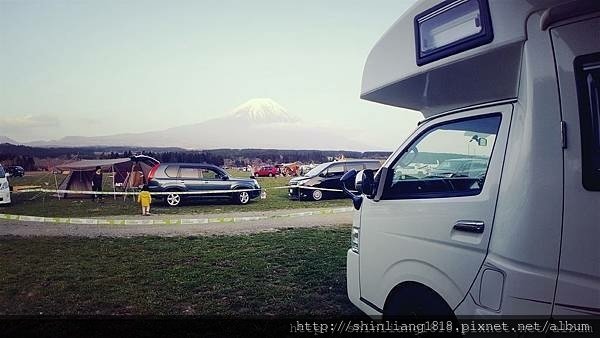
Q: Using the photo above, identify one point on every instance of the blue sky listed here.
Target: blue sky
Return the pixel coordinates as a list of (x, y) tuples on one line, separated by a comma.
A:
[(105, 67)]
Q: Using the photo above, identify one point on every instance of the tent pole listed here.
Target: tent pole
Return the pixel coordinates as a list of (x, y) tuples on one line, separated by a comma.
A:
[(114, 189), (56, 183)]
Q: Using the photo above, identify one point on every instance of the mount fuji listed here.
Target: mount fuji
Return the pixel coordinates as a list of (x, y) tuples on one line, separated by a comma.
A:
[(257, 123)]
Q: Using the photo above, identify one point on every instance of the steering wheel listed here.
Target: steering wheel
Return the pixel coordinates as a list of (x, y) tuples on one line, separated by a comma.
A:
[(446, 181)]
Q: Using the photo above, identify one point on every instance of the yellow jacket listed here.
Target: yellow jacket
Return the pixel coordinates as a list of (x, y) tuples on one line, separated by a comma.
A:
[(144, 198)]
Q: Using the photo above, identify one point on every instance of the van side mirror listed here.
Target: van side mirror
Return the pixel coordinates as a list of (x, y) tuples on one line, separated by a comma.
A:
[(348, 179), (365, 182)]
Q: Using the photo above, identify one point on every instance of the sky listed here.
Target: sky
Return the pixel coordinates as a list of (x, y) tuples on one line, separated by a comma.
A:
[(105, 67)]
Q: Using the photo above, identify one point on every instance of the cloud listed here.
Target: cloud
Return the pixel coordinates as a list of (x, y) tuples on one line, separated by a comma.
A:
[(10, 123)]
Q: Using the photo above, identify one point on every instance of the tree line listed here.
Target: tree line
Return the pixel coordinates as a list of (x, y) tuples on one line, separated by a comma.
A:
[(26, 156)]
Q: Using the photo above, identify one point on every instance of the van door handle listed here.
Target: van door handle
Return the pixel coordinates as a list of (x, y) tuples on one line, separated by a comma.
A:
[(470, 226)]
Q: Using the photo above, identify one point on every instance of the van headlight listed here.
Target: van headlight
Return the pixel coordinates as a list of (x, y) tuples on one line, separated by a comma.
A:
[(4, 185), (355, 239)]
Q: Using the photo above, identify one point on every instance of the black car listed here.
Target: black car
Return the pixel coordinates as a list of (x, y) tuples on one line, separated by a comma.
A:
[(318, 182), (15, 171), (191, 177)]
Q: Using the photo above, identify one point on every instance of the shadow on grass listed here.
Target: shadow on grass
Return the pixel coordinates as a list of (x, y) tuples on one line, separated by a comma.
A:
[(288, 273)]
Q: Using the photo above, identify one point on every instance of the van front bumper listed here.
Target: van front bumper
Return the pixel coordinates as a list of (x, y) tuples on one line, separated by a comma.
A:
[(353, 286), (5, 197)]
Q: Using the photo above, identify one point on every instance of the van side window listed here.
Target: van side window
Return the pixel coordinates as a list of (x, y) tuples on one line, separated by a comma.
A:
[(448, 160), (587, 73)]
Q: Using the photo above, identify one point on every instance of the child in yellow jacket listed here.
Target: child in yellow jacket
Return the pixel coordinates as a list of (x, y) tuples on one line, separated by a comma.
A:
[(144, 199)]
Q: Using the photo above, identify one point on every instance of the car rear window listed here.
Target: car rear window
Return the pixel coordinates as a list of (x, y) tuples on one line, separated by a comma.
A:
[(171, 171)]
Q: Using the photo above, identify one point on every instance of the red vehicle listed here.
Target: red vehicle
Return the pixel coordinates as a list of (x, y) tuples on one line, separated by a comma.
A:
[(266, 170)]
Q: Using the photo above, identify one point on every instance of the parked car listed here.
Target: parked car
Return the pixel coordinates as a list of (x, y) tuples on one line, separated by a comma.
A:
[(461, 167), (189, 177), (4, 187), (15, 171), (267, 171), (318, 182)]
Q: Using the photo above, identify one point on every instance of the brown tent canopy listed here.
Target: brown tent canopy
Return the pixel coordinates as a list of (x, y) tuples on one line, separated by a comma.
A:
[(128, 172)]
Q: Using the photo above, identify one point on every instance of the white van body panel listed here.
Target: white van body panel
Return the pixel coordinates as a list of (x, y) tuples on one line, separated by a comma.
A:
[(391, 75), (578, 288), (404, 237), (542, 256), (525, 245)]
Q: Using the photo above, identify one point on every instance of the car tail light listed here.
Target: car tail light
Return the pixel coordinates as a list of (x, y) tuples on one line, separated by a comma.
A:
[(153, 172)]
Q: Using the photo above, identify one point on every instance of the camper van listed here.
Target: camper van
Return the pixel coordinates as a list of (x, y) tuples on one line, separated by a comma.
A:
[(4, 187), (510, 85)]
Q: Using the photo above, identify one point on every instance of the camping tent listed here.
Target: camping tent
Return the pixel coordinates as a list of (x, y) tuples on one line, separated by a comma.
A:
[(127, 172), (290, 169)]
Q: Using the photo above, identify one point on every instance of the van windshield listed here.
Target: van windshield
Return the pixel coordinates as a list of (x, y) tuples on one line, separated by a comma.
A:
[(316, 170)]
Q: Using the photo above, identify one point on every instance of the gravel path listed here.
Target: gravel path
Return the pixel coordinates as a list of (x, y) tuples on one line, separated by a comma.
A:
[(23, 228)]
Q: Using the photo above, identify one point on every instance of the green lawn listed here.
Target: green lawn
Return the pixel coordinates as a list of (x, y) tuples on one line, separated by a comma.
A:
[(293, 272), (37, 204)]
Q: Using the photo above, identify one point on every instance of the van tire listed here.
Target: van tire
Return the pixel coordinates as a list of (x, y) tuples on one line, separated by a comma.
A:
[(317, 195), (418, 302)]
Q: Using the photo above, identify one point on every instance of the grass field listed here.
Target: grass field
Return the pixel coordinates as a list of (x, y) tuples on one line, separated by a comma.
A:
[(37, 204), (294, 272)]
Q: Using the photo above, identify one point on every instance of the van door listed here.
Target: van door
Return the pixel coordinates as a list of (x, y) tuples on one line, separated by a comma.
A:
[(430, 228), (577, 53)]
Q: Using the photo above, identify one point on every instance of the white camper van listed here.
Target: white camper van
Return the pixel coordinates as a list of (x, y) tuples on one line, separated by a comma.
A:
[(510, 90), (4, 187)]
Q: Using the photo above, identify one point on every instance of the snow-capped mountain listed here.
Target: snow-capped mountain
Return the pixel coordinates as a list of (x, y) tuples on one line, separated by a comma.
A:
[(258, 123), (263, 110)]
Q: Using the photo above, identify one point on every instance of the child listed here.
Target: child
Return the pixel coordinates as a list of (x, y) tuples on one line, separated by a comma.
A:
[(145, 199)]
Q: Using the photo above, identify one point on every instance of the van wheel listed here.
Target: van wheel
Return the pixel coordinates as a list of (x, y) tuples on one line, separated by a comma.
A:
[(414, 301), (242, 197), (317, 195), (173, 199)]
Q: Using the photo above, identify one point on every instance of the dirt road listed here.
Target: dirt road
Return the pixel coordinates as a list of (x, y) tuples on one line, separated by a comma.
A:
[(275, 220)]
